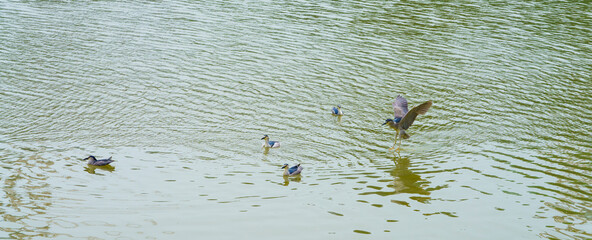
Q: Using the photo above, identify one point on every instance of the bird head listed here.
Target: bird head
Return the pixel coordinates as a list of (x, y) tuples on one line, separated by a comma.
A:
[(265, 137), (387, 121), (285, 165), (89, 158), (339, 106)]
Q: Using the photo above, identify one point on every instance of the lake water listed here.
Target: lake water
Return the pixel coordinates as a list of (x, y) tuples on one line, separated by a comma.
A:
[(181, 92)]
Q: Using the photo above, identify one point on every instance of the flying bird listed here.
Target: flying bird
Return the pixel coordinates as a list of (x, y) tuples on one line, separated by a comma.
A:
[(404, 118)]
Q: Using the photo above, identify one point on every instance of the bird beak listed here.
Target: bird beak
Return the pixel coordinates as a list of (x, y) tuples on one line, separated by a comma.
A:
[(262, 138)]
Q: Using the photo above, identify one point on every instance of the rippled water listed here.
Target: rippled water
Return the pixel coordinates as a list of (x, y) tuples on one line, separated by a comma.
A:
[(181, 92)]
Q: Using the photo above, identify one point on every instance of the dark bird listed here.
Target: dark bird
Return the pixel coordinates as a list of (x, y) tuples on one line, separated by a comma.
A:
[(270, 144), (101, 162), (404, 118), (337, 111), (293, 171)]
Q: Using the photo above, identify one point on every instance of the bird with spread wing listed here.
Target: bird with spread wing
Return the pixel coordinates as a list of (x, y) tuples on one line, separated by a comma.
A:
[(404, 118)]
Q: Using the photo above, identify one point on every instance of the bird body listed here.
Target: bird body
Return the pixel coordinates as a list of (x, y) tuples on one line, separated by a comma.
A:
[(337, 111), (292, 171), (100, 162), (270, 144), (404, 118), (395, 125)]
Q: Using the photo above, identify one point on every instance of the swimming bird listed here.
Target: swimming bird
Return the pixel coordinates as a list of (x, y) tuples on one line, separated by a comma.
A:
[(337, 111), (101, 162), (270, 144), (404, 118), (293, 171)]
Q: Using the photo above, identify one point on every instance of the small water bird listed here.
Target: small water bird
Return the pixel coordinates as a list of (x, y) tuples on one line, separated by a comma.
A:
[(404, 118), (101, 162), (337, 111), (293, 171), (270, 144)]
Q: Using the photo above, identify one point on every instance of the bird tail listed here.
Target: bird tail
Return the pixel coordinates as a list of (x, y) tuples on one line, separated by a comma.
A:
[(404, 135)]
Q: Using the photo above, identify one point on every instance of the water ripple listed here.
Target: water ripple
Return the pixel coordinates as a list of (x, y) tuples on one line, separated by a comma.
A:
[(181, 93)]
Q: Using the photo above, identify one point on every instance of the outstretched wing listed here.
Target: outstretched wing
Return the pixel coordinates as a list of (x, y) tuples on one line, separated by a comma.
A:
[(411, 115), (400, 107)]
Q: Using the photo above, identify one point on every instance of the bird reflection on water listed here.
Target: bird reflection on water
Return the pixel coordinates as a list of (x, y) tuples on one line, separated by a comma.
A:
[(287, 179), (404, 180), (91, 169)]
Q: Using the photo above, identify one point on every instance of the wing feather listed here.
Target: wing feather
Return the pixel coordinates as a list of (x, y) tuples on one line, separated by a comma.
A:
[(412, 114), (295, 170), (400, 107)]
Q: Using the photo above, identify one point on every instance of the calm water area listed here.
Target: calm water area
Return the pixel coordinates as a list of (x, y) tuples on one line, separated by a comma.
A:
[(181, 92)]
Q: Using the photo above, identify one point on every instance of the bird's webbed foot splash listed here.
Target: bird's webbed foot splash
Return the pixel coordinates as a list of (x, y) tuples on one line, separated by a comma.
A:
[(397, 150)]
